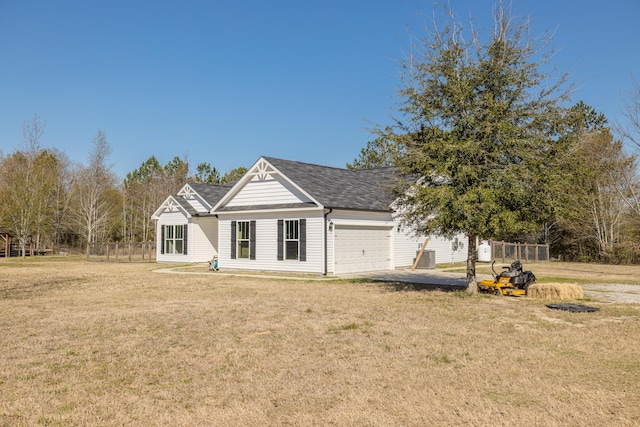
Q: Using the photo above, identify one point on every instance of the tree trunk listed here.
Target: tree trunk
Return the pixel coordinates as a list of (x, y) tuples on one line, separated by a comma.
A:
[(472, 256)]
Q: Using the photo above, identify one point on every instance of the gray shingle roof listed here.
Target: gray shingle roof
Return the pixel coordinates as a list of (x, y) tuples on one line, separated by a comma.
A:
[(209, 192), (338, 188), (185, 205)]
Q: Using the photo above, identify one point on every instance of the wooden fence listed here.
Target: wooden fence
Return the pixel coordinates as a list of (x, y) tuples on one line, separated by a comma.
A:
[(123, 252), (12, 249), (519, 251)]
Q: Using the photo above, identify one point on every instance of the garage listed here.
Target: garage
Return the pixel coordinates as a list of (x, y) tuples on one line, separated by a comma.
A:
[(361, 248)]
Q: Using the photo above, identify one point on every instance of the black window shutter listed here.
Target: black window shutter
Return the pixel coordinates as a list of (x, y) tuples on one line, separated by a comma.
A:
[(184, 239), (162, 239), (252, 240), (280, 240), (233, 240), (303, 239)]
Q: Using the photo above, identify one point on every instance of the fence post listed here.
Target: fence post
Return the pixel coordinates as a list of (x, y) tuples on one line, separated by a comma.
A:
[(520, 251), (129, 251), (108, 252), (116, 251)]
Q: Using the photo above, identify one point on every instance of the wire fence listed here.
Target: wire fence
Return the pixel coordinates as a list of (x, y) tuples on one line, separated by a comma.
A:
[(123, 252), (519, 251), (146, 251)]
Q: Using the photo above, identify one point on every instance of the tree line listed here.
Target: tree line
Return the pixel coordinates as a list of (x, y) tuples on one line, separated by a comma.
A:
[(49, 202)]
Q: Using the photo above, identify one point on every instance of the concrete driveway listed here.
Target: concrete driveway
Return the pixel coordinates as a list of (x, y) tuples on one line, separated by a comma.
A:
[(419, 278), (447, 281)]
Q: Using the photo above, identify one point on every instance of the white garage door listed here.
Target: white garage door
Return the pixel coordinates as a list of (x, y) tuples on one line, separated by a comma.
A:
[(359, 249)]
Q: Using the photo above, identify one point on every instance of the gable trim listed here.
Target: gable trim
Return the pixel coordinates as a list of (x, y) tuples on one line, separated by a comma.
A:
[(170, 204), (187, 191)]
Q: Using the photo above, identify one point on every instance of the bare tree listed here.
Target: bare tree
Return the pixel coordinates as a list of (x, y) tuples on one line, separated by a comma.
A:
[(61, 198), (630, 131), (91, 189), (597, 204), (628, 183)]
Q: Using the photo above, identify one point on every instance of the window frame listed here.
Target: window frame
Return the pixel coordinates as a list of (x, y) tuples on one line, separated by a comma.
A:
[(174, 239), (243, 228), (285, 237), (291, 236)]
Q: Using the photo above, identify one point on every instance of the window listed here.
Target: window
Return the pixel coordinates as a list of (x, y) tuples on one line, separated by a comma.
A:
[(174, 239), (291, 242), (292, 239), (243, 239)]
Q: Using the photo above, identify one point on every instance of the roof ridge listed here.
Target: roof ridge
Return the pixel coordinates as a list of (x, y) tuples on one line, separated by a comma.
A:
[(268, 158), (212, 185)]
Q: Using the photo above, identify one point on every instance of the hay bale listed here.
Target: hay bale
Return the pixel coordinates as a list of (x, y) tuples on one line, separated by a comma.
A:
[(555, 291)]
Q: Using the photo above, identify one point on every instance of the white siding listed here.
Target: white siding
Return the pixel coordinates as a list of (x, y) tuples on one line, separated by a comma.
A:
[(269, 191), (408, 245), (267, 243), (203, 238)]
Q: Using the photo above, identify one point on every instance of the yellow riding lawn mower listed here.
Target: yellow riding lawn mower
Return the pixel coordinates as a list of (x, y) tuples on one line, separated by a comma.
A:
[(512, 282)]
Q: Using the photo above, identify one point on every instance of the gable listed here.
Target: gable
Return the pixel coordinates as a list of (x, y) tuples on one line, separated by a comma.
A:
[(269, 189), (264, 187), (173, 204), (195, 200)]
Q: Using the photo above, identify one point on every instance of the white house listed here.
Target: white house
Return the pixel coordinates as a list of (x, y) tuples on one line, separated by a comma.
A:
[(186, 229), (290, 216)]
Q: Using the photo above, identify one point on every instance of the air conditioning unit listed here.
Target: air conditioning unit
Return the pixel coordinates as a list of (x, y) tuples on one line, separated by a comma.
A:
[(428, 259)]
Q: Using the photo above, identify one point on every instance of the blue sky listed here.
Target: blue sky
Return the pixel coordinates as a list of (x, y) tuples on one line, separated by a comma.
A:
[(225, 82)]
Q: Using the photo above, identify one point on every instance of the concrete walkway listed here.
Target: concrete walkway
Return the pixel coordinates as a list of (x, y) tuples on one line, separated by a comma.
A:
[(235, 273), (430, 277)]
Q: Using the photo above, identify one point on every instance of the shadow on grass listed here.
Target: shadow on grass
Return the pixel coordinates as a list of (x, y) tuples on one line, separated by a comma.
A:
[(420, 287)]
